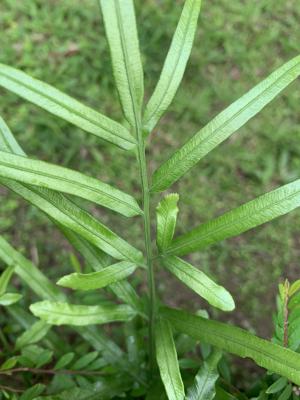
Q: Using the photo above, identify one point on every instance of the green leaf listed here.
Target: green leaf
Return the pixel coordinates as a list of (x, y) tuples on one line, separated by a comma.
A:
[(167, 360), (166, 215), (224, 124), (33, 392), (294, 336), (33, 335), (85, 360), (99, 260), (110, 350), (9, 363), (216, 295), (64, 361), (94, 257), (98, 364), (5, 278), (156, 391), (7, 299), (294, 288), (294, 316), (231, 339), (221, 394), (278, 385), (65, 212), (36, 355), (28, 272), (43, 174), (76, 265), (97, 280), (7, 140), (105, 388), (121, 32), (64, 106), (294, 329), (38, 282), (204, 385), (294, 301), (174, 65), (285, 395), (57, 313), (254, 213)]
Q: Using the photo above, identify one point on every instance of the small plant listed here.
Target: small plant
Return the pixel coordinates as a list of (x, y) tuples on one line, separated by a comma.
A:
[(70, 369), (287, 328)]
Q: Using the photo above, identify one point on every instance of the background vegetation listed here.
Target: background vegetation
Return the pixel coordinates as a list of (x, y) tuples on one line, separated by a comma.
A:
[(237, 44)]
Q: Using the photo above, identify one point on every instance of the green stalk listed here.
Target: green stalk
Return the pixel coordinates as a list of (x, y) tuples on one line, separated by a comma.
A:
[(141, 156)]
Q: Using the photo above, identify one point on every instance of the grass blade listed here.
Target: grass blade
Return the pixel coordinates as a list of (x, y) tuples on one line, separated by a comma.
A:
[(97, 280), (254, 213), (268, 355), (58, 313), (216, 295), (166, 215), (224, 125), (174, 65), (121, 32), (65, 107), (167, 361), (43, 174)]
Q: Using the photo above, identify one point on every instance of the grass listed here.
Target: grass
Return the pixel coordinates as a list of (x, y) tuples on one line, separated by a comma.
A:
[(237, 44)]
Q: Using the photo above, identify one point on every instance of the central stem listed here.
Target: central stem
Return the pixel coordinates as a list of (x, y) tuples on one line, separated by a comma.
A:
[(147, 235)]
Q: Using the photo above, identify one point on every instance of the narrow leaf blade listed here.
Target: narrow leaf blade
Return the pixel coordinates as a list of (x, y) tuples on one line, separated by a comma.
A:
[(224, 124), (5, 278), (216, 295), (7, 299), (28, 272), (57, 313), (33, 335), (254, 213), (64, 106), (33, 392), (167, 361), (97, 280), (65, 212), (43, 174), (268, 355), (121, 32), (40, 285), (174, 65), (205, 380), (99, 260), (64, 361), (85, 360), (295, 287), (277, 386), (166, 215)]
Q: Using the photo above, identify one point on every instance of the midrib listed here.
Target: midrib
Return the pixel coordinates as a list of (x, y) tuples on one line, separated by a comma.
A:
[(224, 226), (181, 153)]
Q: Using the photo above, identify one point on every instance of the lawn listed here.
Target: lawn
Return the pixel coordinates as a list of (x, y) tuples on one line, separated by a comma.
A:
[(237, 44)]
